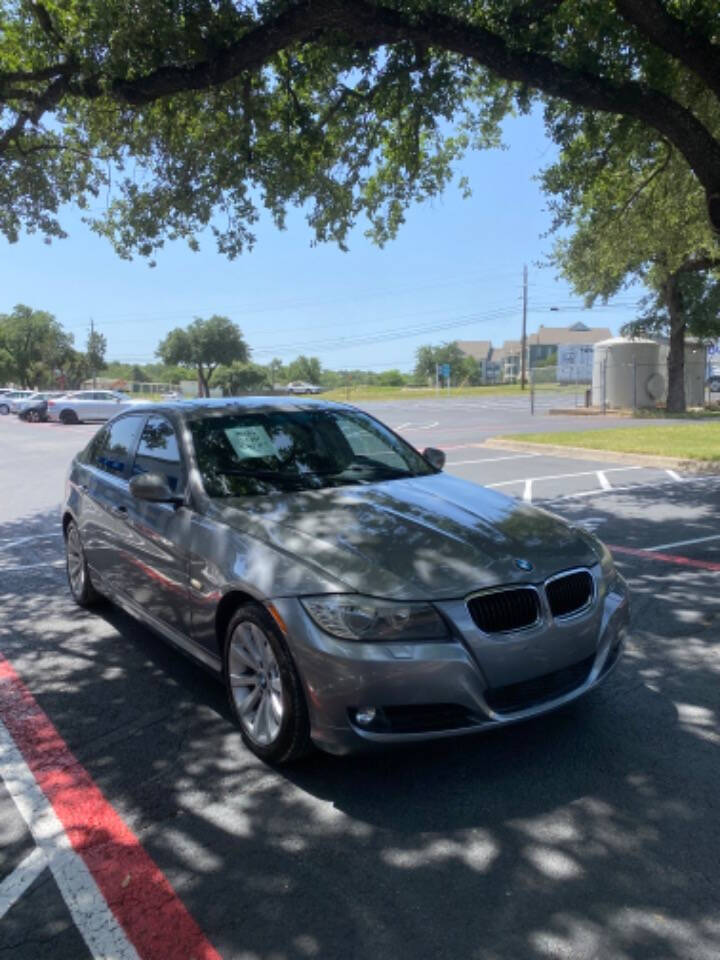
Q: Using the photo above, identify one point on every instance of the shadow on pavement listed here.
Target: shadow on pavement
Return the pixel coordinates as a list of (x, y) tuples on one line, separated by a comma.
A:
[(590, 833)]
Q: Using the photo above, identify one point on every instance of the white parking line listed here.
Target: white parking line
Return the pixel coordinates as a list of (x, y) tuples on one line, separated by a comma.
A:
[(683, 543), (90, 912), (603, 480), (527, 492), (631, 488), (32, 566), (562, 476), (428, 426), (24, 874), (517, 456), (673, 475)]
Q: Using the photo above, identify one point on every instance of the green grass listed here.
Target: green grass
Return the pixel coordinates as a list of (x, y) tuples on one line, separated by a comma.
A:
[(689, 441), (362, 393)]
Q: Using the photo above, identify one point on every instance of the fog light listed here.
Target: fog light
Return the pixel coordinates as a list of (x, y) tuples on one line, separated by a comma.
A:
[(365, 716)]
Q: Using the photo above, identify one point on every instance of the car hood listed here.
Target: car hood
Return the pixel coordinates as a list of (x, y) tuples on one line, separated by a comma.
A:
[(433, 537)]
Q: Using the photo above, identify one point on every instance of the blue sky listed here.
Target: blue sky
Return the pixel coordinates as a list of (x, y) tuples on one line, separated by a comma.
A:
[(454, 272)]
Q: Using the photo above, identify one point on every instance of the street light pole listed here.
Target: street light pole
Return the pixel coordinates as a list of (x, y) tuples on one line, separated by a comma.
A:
[(523, 347), (92, 352)]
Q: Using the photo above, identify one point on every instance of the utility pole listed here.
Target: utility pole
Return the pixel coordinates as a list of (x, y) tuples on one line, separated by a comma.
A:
[(523, 342), (92, 351)]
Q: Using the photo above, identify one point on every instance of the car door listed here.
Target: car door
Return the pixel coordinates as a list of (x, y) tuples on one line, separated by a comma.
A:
[(156, 576), (107, 537), (105, 405)]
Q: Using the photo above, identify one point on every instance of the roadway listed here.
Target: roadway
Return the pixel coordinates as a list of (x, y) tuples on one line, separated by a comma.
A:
[(591, 833)]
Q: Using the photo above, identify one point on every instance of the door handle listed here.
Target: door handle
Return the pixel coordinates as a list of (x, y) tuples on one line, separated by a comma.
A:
[(84, 487), (121, 511)]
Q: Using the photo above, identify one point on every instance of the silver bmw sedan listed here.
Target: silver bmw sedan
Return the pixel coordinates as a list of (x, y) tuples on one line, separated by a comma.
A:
[(345, 589)]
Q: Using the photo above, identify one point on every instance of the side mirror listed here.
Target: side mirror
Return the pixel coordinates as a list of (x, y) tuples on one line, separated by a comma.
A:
[(153, 487), (434, 457)]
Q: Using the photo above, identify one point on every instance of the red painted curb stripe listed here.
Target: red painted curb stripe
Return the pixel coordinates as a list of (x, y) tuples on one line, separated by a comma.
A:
[(139, 894), (667, 558)]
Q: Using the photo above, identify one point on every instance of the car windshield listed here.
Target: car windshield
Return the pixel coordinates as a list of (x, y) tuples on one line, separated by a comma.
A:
[(250, 454)]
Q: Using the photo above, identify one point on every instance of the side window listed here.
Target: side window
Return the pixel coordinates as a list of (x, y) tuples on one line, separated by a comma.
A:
[(89, 454), (115, 446), (158, 452)]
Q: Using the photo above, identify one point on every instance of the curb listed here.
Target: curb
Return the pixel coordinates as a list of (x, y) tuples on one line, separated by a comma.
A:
[(586, 453), (588, 412)]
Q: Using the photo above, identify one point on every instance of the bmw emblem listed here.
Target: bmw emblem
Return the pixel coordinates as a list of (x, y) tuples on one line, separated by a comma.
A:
[(523, 565)]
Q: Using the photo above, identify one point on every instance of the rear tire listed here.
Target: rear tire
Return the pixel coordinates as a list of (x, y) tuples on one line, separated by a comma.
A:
[(264, 690), (33, 416), (68, 417), (4, 409), (81, 588)]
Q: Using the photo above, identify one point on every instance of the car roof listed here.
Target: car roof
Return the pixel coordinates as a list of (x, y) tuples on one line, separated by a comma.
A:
[(197, 408)]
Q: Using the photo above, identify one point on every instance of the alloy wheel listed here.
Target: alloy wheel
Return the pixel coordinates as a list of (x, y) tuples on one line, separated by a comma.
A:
[(75, 562), (255, 683)]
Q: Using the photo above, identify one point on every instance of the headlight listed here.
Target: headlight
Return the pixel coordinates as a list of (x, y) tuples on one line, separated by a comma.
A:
[(353, 617)]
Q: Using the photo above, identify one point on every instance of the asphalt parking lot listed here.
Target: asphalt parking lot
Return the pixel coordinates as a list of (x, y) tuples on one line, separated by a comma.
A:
[(592, 833)]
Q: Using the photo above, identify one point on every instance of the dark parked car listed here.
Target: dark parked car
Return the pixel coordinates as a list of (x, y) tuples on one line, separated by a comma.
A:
[(35, 407), (347, 591), (34, 411)]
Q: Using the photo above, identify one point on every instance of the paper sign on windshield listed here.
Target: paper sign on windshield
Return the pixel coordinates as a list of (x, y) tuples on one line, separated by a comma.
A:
[(250, 442)]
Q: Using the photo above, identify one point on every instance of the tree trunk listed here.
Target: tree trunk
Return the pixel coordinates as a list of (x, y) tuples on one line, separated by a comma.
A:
[(676, 357)]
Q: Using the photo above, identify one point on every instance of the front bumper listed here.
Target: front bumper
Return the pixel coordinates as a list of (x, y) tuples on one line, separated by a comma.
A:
[(471, 682)]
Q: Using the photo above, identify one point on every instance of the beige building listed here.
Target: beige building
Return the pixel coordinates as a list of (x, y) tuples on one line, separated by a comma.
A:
[(544, 343), (479, 350), (503, 364)]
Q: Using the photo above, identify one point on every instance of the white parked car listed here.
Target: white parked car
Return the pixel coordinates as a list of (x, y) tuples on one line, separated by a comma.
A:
[(7, 400), (82, 405), (300, 386)]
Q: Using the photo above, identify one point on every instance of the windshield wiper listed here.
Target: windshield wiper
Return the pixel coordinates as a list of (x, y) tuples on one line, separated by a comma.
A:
[(379, 472)]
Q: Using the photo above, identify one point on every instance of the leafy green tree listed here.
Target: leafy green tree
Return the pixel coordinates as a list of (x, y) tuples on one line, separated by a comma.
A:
[(72, 369), (630, 209), (427, 359), (305, 368), (32, 342), (344, 107), (95, 352), (241, 378), (204, 345), (391, 378), (277, 372)]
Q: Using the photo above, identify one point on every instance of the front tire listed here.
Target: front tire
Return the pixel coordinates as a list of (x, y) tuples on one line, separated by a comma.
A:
[(4, 409), (83, 592), (264, 690), (68, 417), (33, 416)]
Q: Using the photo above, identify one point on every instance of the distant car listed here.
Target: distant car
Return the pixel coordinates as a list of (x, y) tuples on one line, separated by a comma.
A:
[(300, 386), (7, 400), (34, 411), (173, 396), (33, 408), (713, 382), (83, 405)]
